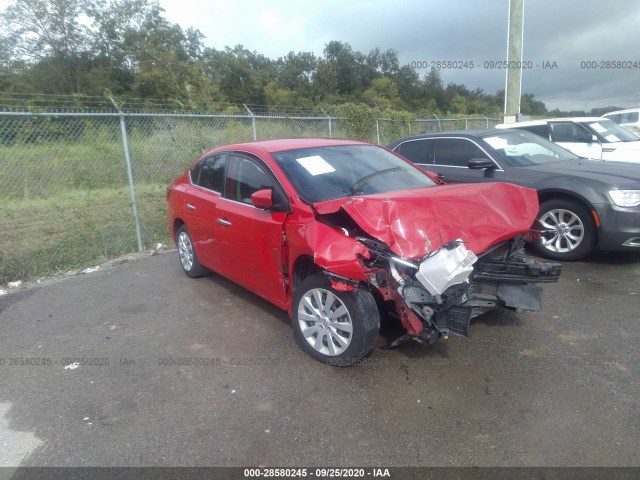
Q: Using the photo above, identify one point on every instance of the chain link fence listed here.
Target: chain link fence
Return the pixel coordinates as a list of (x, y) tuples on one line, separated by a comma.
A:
[(79, 188)]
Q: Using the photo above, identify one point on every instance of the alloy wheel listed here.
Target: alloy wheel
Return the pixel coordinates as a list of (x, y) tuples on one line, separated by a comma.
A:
[(185, 250), (325, 322), (564, 230)]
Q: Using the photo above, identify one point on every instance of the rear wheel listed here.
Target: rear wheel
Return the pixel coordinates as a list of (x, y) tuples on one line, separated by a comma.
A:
[(569, 232), (334, 327), (186, 252)]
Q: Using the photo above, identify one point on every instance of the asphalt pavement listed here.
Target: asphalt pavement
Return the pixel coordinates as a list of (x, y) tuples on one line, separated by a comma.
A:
[(138, 365)]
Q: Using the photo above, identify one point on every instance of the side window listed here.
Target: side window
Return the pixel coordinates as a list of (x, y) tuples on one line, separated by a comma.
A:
[(456, 152), (209, 173), (568, 132), (617, 117), (542, 130), (418, 151), (244, 177), (195, 172)]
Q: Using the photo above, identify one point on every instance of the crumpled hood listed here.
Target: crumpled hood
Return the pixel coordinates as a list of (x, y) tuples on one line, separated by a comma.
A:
[(415, 222)]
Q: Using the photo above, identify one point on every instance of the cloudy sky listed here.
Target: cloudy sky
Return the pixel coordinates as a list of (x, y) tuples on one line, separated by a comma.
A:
[(566, 32)]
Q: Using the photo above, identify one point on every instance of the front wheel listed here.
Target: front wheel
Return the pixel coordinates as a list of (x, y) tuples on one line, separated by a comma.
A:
[(338, 328), (568, 230)]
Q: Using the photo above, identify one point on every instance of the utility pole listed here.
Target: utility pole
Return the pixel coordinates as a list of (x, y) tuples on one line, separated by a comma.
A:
[(513, 84)]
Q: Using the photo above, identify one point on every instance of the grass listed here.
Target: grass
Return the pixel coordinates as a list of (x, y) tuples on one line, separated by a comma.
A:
[(64, 196), (76, 229)]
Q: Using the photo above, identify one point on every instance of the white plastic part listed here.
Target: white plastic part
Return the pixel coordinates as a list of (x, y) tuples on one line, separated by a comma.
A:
[(446, 268)]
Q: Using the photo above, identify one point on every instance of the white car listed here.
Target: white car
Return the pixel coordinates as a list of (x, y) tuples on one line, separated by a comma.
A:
[(587, 137), (629, 119)]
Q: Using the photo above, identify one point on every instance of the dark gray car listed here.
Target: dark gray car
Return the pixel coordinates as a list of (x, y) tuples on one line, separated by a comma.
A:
[(584, 204)]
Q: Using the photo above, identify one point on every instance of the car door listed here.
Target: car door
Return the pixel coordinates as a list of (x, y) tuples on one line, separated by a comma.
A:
[(200, 200), (249, 239), (451, 157), (575, 138)]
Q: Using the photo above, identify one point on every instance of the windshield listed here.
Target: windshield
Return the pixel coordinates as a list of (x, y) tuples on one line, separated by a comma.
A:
[(326, 173), (608, 131), (522, 149)]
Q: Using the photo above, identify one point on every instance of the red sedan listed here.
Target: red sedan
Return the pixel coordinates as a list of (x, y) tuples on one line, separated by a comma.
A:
[(340, 232)]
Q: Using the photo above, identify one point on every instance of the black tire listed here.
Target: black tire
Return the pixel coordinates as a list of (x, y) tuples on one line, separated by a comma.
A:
[(574, 235), (186, 251), (361, 311)]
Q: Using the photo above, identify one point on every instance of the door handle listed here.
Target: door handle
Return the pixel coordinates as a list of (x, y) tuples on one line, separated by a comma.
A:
[(190, 207), (224, 222)]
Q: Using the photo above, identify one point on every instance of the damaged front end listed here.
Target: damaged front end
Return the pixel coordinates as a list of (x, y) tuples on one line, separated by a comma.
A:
[(478, 264), (442, 292)]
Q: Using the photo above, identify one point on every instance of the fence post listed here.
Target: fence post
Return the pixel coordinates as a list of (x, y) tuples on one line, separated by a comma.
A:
[(253, 122), (466, 123), (132, 190), (378, 130), (329, 119)]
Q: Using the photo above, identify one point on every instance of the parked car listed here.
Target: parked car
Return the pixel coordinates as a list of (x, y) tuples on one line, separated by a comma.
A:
[(629, 119), (339, 232), (584, 204), (587, 137)]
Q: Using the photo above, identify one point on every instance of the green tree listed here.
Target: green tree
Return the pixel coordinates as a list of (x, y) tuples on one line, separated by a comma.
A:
[(382, 94), (51, 31), (342, 59), (530, 106), (241, 74), (279, 97), (360, 120), (432, 88), (458, 104), (295, 72)]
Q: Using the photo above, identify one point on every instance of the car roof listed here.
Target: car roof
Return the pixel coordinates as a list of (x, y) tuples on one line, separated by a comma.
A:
[(544, 121), (279, 145), (472, 132), (628, 110)]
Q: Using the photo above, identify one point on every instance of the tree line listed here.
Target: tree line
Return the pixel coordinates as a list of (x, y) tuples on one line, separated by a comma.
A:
[(128, 49)]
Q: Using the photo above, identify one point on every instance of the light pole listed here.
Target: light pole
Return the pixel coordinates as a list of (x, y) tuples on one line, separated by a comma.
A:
[(513, 82)]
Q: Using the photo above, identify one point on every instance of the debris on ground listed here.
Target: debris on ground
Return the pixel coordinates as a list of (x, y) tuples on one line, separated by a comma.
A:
[(91, 269)]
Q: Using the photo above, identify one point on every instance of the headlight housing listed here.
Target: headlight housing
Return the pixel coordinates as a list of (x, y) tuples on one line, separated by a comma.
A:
[(625, 198)]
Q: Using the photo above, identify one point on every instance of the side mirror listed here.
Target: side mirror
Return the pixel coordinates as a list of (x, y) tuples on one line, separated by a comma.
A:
[(480, 163), (594, 139), (262, 198)]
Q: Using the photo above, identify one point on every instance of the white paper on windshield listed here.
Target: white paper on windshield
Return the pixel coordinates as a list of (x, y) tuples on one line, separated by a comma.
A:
[(612, 138), (496, 142), (316, 165), (597, 127)]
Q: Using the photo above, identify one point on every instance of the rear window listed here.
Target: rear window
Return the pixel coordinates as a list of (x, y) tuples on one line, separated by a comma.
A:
[(418, 151), (631, 117)]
